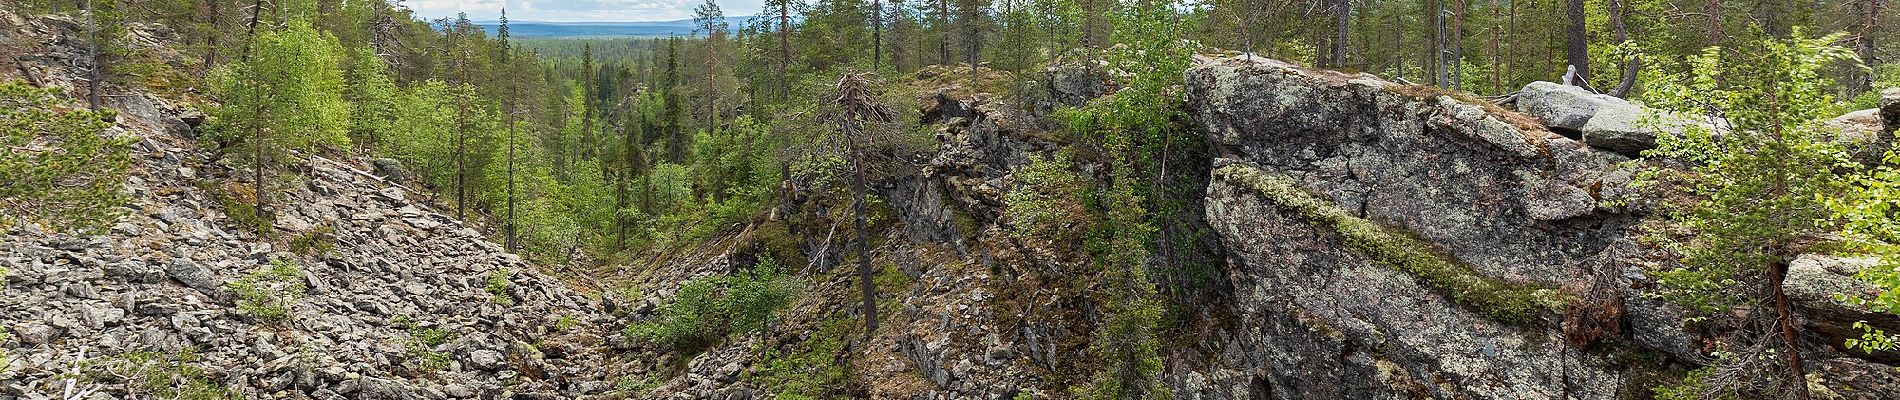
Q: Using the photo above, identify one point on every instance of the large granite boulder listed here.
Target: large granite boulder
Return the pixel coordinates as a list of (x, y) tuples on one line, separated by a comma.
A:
[(1565, 107), (1599, 120)]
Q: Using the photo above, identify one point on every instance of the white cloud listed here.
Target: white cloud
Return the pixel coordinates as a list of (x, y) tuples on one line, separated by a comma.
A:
[(575, 10)]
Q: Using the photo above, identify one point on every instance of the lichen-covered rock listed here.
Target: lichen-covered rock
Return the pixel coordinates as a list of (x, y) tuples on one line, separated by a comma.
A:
[(1819, 286), (1328, 306)]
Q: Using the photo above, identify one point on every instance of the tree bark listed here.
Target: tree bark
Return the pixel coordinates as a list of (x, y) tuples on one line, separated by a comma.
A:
[(1796, 378), (1341, 13), (1864, 44), (877, 33), (943, 25), (1457, 58), (1497, 53), (94, 74), (1715, 22), (865, 274), (1635, 62), (1576, 48)]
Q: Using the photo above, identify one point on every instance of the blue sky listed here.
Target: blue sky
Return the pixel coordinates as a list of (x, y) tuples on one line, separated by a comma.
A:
[(576, 10)]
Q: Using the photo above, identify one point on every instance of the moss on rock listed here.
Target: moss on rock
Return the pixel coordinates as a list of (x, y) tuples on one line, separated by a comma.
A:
[(1497, 300)]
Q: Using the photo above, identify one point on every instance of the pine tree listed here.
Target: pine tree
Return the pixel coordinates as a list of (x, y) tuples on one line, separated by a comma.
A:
[(61, 170)]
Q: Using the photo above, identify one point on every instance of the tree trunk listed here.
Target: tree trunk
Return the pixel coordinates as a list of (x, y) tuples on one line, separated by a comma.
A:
[(877, 33), (1715, 22), (94, 74), (784, 47), (1497, 54), (1869, 21), (1635, 61), (258, 161), (865, 274), (1457, 57), (1430, 64), (1796, 378), (943, 25), (1575, 47), (211, 19), (1341, 13)]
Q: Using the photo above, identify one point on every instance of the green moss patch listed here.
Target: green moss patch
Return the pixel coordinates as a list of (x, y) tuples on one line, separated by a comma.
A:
[(1499, 301)]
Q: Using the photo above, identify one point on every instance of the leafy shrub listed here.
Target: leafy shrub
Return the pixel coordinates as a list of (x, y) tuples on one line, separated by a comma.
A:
[(267, 293), (686, 323), (60, 168), (753, 297), (812, 370), (498, 284), (1045, 200), (240, 205), (165, 375), (318, 241), (422, 343), (707, 309)]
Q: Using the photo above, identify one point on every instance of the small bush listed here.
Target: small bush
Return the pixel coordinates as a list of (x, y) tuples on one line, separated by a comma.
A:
[(165, 376), (810, 371), (267, 293), (60, 167), (240, 205), (685, 324), (707, 309), (1045, 201), (3, 341), (567, 322), (498, 284), (317, 242), (422, 343)]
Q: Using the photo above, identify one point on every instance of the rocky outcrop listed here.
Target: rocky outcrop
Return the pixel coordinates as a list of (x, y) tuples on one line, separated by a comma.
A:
[(1323, 182), (1392, 241)]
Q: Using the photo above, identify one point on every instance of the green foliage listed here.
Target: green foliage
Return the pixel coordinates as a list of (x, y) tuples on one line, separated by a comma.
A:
[(753, 297), (566, 323), (1693, 386), (240, 206), (706, 309), (687, 324), (1045, 200), (4, 362), (422, 343), (60, 167), (1756, 185), (1496, 300), (317, 242), (1130, 128), (810, 369), (497, 287), (1884, 76), (374, 96), (165, 375), (287, 95), (266, 294)]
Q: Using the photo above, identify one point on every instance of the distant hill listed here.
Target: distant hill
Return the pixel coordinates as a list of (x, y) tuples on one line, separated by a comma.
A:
[(601, 29)]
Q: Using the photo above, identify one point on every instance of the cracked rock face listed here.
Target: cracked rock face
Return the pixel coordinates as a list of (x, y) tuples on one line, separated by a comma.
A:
[(1320, 319), (1516, 204)]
